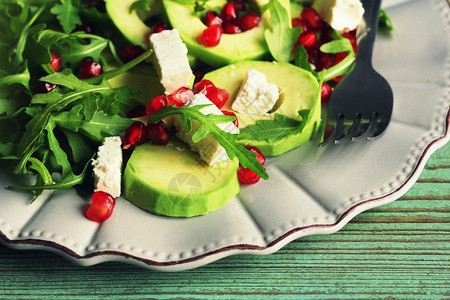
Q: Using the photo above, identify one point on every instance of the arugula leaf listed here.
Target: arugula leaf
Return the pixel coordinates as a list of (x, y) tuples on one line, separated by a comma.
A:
[(67, 14), (384, 21), (276, 129), (281, 38), (208, 126)]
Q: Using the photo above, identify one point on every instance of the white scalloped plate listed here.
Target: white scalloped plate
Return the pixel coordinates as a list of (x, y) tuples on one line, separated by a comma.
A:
[(311, 191)]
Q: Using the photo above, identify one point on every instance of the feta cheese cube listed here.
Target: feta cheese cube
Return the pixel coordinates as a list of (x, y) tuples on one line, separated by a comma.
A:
[(209, 148), (107, 166), (342, 15), (170, 60), (256, 96)]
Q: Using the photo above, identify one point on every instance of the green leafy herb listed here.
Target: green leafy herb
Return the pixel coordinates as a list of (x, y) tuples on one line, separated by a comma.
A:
[(208, 126), (67, 14), (384, 21), (275, 130), (281, 38), (141, 5)]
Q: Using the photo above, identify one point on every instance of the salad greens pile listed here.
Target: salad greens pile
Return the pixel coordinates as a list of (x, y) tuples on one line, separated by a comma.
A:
[(57, 132)]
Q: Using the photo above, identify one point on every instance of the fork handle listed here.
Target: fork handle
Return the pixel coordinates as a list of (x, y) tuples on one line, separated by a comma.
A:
[(367, 36)]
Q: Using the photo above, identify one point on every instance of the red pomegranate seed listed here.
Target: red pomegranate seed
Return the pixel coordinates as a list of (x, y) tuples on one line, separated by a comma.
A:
[(339, 57), (129, 53), (156, 103), (261, 158), (56, 62), (159, 26), (135, 135), (137, 112), (90, 68), (158, 134), (249, 21), (204, 86), (218, 96), (239, 5), (230, 113), (45, 87), (311, 18), (180, 96), (338, 78), (352, 37), (211, 18), (296, 22), (307, 39), (231, 28), (325, 92), (325, 61), (247, 175), (210, 37), (228, 11), (101, 207)]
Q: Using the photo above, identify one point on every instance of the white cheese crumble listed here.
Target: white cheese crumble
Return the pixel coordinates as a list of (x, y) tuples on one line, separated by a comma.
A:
[(108, 165), (170, 60), (342, 15), (256, 96), (209, 148)]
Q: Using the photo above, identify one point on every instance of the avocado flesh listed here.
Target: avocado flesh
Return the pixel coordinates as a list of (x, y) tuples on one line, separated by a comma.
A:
[(247, 45), (130, 23), (298, 88), (173, 181)]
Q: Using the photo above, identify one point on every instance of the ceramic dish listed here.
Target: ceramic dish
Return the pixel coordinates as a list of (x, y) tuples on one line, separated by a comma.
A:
[(311, 190)]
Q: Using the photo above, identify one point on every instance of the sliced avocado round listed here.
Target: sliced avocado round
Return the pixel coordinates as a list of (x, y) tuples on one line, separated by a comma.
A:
[(173, 181), (298, 89), (247, 45), (130, 23)]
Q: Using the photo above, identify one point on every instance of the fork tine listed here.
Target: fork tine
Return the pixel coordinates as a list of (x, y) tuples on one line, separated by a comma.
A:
[(337, 131), (370, 128), (352, 131)]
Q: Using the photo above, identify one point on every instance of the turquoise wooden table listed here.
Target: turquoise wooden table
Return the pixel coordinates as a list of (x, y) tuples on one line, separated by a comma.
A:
[(400, 250)]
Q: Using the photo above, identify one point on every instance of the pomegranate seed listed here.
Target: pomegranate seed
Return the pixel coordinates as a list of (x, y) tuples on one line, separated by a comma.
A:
[(296, 22), (159, 26), (231, 28), (247, 175), (210, 37), (307, 39), (325, 92), (327, 132), (137, 112), (90, 68), (56, 62), (101, 207), (325, 61), (218, 96), (204, 86), (352, 37), (239, 5), (158, 134), (339, 57), (338, 78), (211, 18), (249, 21), (129, 53), (45, 87), (261, 158), (228, 11), (230, 113), (134, 136), (311, 18), (180, 96), (156, 103)]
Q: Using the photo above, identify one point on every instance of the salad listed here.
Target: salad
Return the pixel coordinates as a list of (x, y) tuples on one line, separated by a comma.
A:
[(234, 81)]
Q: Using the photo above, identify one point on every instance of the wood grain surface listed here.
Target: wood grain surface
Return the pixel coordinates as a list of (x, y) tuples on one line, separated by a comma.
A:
[(400, 251)]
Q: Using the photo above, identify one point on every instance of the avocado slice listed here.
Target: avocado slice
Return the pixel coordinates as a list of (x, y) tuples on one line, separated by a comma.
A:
[(130, 23), (173, 181), (247, 45), (299, 90)]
